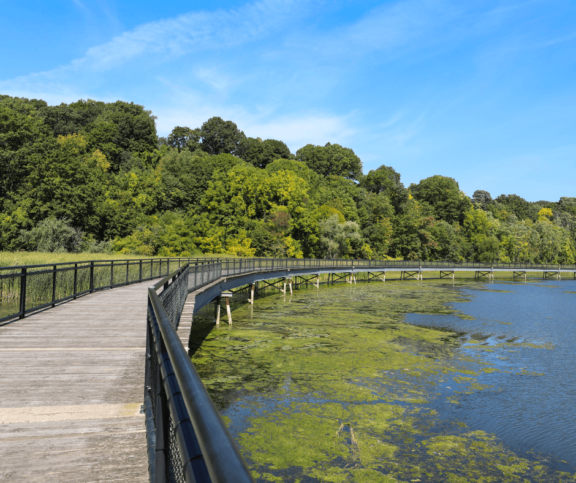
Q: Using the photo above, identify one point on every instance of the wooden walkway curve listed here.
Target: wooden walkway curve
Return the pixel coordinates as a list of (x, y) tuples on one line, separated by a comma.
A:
[(71, 387)]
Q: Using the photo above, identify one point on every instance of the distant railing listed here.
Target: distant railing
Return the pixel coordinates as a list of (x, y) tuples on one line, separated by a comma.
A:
[(26, 289)]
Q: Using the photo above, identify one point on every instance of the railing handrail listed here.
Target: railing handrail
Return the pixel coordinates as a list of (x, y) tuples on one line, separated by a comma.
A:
[(304, 260), (220, 453), (113, 260)]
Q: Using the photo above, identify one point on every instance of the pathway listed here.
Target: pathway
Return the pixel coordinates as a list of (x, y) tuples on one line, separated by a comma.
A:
[(71, 386)]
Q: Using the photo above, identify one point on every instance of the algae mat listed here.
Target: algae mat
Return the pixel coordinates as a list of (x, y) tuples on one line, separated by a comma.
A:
[(332, 385)]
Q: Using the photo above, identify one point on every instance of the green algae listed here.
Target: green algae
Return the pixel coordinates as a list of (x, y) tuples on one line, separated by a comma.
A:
[(332, 385)]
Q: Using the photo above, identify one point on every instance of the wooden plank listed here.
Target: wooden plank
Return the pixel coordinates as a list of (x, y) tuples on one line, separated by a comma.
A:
[(71, 383)]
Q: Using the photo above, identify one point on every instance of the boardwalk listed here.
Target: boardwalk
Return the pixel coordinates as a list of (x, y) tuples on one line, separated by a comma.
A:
[(71, 386)]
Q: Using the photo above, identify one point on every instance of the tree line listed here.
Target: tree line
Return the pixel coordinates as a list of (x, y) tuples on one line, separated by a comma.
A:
[(95, 177)]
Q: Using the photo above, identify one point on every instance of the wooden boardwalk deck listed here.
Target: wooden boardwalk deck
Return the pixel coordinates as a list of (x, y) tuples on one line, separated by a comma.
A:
[(71, 386)]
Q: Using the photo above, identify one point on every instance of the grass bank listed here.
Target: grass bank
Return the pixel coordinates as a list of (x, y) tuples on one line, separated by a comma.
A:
[(11, 259)]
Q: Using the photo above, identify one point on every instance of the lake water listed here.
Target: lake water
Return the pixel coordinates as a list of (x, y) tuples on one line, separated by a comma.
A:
[(402, 381)]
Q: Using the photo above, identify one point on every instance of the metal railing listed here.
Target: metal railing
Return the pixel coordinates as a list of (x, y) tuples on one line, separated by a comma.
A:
[(26, 289), (187, 440), (231, 266)]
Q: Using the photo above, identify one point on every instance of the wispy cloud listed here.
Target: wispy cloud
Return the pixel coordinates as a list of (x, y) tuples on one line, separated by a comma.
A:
[(195, 31)]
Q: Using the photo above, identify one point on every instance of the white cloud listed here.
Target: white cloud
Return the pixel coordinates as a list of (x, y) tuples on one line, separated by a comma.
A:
[(193, 31)]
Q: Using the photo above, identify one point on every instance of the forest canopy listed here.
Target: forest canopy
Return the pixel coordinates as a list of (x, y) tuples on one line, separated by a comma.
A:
[(94, 176)]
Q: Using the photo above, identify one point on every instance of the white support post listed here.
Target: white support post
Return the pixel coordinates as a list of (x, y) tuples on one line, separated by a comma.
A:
[(284, 287), (290, 285), (384, 277), (318, 281), (217, 310), (251, 293), (228, 311)]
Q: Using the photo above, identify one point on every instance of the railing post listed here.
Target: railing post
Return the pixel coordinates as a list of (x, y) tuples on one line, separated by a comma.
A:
[(112, 274), (91, 277), (75, 280), (23, 293), (127, 270), (54, 286), (140, 272)]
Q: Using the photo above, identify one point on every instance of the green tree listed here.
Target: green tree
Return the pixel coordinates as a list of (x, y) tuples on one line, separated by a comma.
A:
[(261, 153), (184, 138), (481, 199), (413, 233), (340, 240), (24, 141), (221, 137), (444, 196), (387, 181), (68, 183), (186, 176), (331, 159)]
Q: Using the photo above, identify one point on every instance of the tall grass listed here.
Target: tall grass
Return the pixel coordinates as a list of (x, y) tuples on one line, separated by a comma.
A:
[(12, 259)]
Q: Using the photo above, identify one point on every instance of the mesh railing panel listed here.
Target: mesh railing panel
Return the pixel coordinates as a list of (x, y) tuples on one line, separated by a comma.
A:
[(175, 473), (174, 296)]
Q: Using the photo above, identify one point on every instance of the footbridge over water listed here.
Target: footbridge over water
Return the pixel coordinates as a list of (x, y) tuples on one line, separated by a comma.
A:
[(97, 384)]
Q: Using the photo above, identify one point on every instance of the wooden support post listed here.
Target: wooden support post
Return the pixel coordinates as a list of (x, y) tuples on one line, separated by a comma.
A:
[(290, 285), (217, 311), (251, 300), (318, 281), (284, 287), (354, 279), (228, 311)]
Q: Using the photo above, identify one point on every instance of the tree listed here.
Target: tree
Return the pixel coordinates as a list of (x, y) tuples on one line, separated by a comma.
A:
[(340, 240), (444, 196), (387, 181), (24, 141), (488, 249), (186, 176), (339, 193), (331, 159), (515, 204), (221, 137), (68, 183), (413, 233), (481, 199), (184, 138), (261, 153), (298, 167)]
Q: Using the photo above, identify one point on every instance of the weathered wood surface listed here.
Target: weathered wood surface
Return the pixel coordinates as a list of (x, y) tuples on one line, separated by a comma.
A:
[(71, 386)]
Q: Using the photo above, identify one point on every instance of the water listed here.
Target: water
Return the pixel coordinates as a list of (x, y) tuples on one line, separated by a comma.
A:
[(403, 381), (527, 413)]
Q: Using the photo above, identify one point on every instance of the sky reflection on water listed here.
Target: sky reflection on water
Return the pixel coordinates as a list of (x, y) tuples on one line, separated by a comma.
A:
[(526, 412)]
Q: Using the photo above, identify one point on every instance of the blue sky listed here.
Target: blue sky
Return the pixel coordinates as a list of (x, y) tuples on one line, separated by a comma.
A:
[(483, 90)]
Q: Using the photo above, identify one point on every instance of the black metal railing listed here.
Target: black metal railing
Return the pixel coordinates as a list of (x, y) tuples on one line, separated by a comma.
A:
[(26, 289), (231, 266), (187, 440)]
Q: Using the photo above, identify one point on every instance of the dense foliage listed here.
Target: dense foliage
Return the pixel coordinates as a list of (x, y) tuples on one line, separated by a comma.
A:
[(94, 176)]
